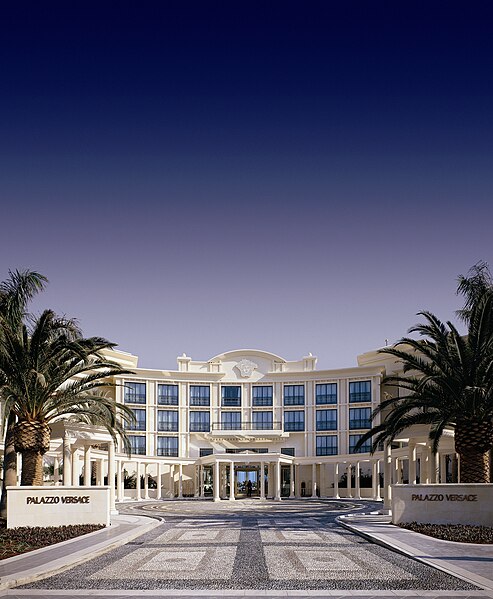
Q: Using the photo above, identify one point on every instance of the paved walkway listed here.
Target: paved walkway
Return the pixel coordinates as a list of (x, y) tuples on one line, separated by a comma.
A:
[(57, 558), (472, 563), (248, 548)]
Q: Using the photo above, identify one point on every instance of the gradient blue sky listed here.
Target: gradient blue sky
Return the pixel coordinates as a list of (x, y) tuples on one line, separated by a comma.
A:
[(197, 177)]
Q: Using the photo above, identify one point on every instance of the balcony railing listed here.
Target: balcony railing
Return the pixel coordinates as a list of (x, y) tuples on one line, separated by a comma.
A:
[(247, 426)]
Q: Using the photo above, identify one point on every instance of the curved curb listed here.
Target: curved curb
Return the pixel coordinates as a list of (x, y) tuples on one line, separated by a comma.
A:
[(475, 579), (72, 559)]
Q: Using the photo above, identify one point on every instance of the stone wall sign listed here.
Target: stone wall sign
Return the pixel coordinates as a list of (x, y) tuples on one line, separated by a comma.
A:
[(443, 504), (57, 506)]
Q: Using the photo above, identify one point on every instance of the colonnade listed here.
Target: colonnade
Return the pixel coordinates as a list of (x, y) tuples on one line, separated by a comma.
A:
[(409, 463)]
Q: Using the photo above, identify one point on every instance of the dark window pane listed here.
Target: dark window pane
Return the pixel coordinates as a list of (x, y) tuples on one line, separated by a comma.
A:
[(326, 420), (294, 395), (167, 395), (262, 396), (134, 393), (294, 421), (359, 391), (200, 395), (326, 393), (200, 422), (326, 445)]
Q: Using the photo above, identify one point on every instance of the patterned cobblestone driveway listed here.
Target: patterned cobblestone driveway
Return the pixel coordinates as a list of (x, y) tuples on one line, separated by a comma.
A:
[(251, 545)]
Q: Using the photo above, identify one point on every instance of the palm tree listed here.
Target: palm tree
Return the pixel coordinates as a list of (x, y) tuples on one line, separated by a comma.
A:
[(447, 382), (15, 293), (473, 286), (52, 372)]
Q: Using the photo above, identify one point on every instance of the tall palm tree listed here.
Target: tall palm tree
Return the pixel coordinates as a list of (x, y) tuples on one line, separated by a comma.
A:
[(473, 286), (15, 294), (447, 382), (52, 372)]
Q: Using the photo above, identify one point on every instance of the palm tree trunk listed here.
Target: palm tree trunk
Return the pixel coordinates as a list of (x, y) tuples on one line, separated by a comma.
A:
[(9, 465), (475, 467), (32, 468), (473, 442)]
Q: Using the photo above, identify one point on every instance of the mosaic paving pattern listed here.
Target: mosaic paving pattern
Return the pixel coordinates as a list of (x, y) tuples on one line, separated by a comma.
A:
[(251, 545)]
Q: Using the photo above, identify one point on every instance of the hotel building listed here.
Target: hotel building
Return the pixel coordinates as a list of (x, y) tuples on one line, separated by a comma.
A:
[(250, 423)]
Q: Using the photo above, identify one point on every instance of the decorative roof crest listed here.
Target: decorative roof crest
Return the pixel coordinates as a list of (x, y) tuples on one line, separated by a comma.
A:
[(246, 367)]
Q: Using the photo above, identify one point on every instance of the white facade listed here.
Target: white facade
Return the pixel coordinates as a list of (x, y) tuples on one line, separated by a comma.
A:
[(249, 422), (248, 402)]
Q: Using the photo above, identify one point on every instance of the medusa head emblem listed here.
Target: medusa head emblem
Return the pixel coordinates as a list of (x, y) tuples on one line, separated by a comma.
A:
[(246, 368)]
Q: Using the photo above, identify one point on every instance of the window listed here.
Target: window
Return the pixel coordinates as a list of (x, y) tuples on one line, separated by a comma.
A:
[(294, 395), (359, 418), (262, 396), (167, 395), (294, 421), (167, 446), (200, 395), (353, 439), (135, 393), (262, 421), (326, 393), (137, 444), (231, 397), (140, 424), (200, 422), (326, 444), (288, 451), (167, 421), (203, 451), (359, 391), (230, 421), (326, 420)]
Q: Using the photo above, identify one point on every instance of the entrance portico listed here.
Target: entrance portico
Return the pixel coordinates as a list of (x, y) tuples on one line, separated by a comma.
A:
[(230, 469)]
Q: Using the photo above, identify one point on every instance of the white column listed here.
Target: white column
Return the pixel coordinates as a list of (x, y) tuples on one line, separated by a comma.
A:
[(291, 481), (270, 480), (336, 480), (99, 472), (262, 481), (232, 481), (87, 465), (443, 468), (196, 487), (75, 467), (397, 471), (56, 473), (277, 496), (412, 462), (67, 461), (172, 481), (146, 482), (357, 494), (119, 481), (314, 480), (435, 466), (425, 477), (180, 481), (111, 475), (349, 481), (375, 480), (137, 484), (387, 478), (216, 482), (159, 491)]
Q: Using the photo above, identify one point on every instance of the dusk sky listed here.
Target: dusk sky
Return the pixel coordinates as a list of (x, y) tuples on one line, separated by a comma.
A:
[(199, 177)]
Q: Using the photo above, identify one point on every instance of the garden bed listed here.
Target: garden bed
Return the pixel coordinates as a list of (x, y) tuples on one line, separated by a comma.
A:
[(14, 541), (459, 533)]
